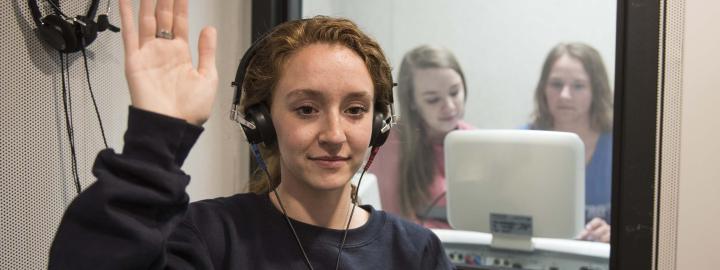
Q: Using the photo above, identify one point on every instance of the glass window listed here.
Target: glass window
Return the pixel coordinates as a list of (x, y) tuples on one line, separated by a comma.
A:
[(493, 64)]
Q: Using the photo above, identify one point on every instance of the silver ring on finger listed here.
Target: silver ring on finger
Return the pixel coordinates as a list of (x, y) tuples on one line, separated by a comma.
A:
[(164, 34)]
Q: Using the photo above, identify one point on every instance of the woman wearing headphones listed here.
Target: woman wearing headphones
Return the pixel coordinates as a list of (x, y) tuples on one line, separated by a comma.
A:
[(322, 82)]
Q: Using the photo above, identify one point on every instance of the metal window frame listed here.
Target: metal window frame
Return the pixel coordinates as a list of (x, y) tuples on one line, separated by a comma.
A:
[(637, 114)]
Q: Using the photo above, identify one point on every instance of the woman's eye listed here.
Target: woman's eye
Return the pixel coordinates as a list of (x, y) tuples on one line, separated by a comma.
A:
[(432, 100), (578, 86), (556, 85), (305, 110), (356, 110), (454, 93)]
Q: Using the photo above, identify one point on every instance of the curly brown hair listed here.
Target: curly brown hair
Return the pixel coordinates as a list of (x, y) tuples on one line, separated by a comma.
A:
[(273, 51)]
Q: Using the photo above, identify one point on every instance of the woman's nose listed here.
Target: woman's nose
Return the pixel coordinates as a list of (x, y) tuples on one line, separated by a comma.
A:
[(449, 104), (565, 92), (333, 132)]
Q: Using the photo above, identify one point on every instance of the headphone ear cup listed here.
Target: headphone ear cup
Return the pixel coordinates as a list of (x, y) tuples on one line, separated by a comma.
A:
[(86, 34), (57, 33), (264, 131), (378, 138)]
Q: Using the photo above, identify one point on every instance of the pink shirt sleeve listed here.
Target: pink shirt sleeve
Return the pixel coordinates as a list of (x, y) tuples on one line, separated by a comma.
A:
[(386, 167)]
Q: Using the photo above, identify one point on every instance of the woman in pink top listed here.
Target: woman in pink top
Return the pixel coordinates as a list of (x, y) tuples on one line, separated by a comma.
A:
[(411, 171)]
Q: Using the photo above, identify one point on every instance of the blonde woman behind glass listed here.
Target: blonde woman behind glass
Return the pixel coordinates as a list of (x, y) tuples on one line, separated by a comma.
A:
[(431, 94)]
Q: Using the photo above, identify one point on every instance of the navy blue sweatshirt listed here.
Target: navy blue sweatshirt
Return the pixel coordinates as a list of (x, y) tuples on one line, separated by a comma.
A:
[(136, 216)]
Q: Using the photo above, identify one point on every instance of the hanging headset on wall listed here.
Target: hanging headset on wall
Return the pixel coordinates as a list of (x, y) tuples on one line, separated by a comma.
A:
[(69, 34), (257, 124)]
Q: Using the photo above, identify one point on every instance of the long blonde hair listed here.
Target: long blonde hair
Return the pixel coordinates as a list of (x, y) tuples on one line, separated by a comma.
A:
[(417, 157), (284, 40)]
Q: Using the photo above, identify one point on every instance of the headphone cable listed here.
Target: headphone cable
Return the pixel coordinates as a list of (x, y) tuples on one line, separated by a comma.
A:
[(354, 198), (57, 9), (430, 207), (92, 96), (261, 163), (67, 106), (71, 129), (347, 227), (258, 158)]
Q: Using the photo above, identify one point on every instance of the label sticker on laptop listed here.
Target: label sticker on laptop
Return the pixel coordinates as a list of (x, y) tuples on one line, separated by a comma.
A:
[(511, 224)]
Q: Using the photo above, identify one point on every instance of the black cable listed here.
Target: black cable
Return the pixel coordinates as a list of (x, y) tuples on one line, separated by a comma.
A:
[(347, 227), (57, 9), (67, 106), (430, 207), (71, 129), (258, 158), (92, 96), (354, 197)]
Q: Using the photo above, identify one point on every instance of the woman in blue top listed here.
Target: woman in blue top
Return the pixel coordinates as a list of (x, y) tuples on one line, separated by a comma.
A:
[(574, 95)]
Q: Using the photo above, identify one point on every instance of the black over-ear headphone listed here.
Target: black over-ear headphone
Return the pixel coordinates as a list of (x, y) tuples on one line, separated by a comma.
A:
[(257, 123), (63, 33)]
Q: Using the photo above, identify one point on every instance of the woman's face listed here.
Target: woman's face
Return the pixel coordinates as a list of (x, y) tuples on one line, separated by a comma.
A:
[(322, 111), (439, 99), (568, 91)]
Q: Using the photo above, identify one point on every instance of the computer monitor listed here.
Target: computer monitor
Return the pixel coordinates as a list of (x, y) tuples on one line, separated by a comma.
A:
[(515, 183)]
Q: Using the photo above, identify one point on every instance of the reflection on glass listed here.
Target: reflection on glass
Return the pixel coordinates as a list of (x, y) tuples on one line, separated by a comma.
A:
[(574, 95), (513, 82), (431, 96)]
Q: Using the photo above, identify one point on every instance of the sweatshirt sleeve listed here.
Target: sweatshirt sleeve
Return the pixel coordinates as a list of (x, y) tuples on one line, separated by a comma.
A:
[(124, 219)]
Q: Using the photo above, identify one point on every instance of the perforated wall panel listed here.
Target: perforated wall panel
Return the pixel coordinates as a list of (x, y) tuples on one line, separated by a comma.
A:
[(671, 86), (35, 169)]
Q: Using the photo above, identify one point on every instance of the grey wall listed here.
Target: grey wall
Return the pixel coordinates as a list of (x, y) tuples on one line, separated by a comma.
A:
[(699, 204), (36, 181)]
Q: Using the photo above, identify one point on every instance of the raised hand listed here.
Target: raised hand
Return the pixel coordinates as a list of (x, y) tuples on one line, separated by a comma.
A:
[(158, 65)]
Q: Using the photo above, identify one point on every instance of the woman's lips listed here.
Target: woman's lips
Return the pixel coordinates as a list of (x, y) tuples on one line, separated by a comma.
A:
[(566, 108), (330, 162), (448, 118)]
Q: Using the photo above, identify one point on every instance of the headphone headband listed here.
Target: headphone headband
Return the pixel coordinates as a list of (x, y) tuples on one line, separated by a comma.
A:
[(256, 121), (37, 13), (242, 69), (62, 32)]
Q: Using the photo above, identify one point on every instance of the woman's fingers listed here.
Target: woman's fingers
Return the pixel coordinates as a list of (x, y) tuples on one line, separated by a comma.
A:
[(206, 51), (603, 233), (596, 230), (589, 232), (582, 235), (606, 236), (180, 20), (164, 16), (147, 23), (129, 34), (594, 224)]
